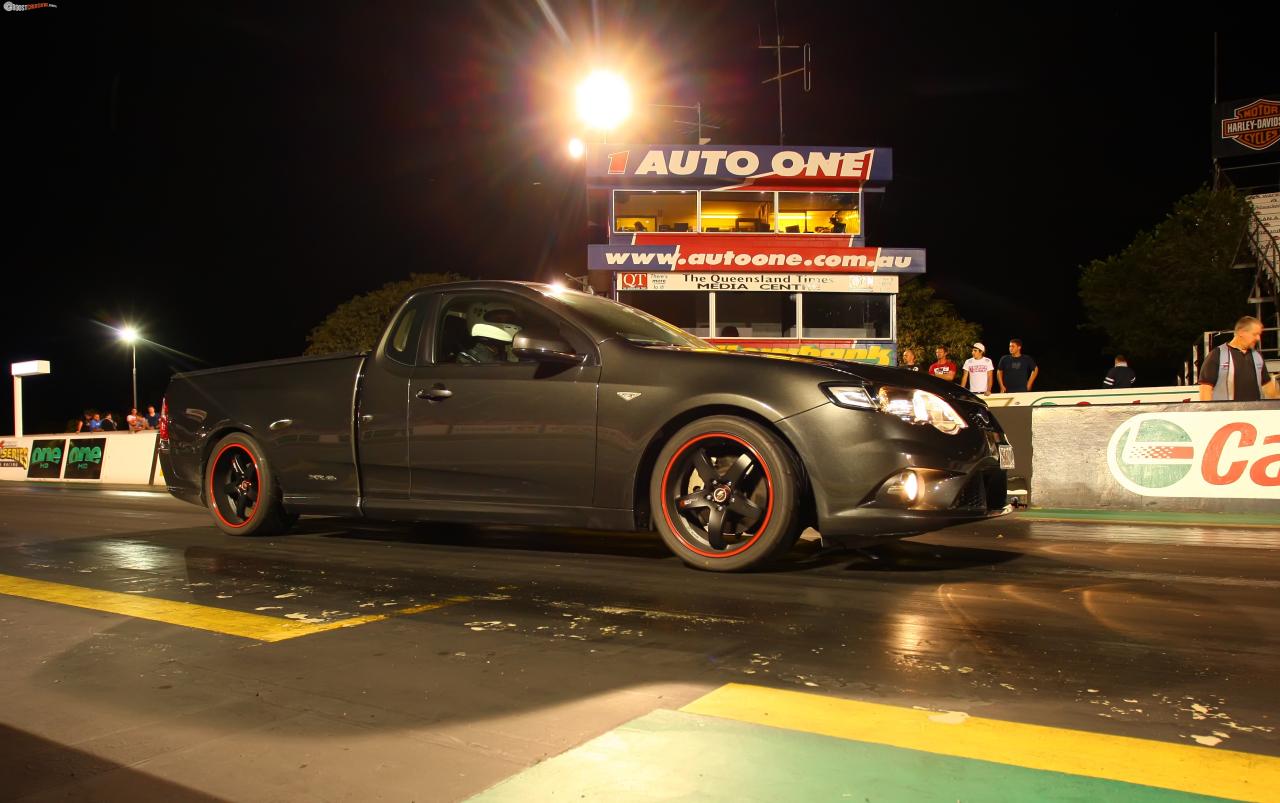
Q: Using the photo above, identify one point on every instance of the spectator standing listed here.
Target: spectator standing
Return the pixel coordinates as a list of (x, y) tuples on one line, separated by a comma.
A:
[(945, 367), (95, 423), (1017, 371), (108, 423), (1235, 371), (978, 370), (909, 360), (136, 422), (1121, 375), (153, 418), (85, 424)]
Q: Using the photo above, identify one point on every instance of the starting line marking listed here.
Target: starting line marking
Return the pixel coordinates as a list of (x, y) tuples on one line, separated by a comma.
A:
[(1199, 770), (189, 614)]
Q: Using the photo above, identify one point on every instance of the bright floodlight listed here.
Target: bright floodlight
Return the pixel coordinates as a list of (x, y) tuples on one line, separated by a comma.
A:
[(604, 100), (128, 334), (576, 148)]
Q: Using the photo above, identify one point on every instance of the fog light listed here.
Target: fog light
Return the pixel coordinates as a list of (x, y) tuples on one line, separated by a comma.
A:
[(904, 485)]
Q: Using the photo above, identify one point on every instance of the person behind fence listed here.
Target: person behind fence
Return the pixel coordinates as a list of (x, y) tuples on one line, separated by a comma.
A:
[(978, 371), (153, 418), (1120, 375), (909, 360), (136, 422), (945, 367), (109, 423), (1016, 372), (1235, 371)]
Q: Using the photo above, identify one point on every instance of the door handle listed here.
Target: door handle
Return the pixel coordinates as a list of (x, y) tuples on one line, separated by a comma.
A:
[(435, 393)]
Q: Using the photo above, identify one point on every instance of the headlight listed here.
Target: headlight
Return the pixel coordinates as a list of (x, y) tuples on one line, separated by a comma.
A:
[(912, 406)]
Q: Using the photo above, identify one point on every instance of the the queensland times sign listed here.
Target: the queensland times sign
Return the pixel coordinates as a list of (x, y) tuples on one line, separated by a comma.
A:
[(1195, 456), (1247, 127), (725, 166)]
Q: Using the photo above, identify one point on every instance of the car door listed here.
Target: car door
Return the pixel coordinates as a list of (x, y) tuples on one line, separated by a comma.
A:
[(382, 417), (489, 431)]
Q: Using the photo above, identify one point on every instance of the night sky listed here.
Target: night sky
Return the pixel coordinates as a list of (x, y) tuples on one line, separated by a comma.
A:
[(223, 175)]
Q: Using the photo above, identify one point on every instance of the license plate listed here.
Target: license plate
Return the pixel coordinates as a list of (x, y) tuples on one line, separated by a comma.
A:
[(1006, 456)]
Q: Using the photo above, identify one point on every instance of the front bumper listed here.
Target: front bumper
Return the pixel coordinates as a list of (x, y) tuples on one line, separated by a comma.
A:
[(850, 455)]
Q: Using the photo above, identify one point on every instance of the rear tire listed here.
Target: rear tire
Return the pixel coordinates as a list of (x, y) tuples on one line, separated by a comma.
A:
[(241, 490), (725, 494)]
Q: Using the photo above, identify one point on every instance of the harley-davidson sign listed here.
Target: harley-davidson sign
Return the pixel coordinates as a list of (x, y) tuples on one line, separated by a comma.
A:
[(1248, 128)]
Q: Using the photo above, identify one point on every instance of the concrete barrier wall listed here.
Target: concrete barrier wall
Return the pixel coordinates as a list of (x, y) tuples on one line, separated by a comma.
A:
[(107, 457), (1212, 457)]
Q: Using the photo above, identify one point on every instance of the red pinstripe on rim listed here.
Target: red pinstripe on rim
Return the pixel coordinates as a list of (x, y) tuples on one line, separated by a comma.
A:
[(217, 511), (768, 478)]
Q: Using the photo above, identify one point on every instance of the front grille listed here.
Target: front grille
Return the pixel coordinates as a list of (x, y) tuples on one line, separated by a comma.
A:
[(986, 490)]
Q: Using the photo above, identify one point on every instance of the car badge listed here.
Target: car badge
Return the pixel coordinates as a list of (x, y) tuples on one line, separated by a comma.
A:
[(627, 395)]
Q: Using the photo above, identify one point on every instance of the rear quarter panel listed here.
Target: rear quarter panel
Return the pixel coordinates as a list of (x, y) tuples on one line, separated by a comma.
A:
[(312, 455)]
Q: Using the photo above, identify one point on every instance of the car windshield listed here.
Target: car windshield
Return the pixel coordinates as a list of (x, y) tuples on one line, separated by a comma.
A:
[(629, 323)]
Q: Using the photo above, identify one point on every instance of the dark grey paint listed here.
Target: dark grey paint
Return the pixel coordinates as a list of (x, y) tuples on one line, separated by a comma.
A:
[(556, 443)]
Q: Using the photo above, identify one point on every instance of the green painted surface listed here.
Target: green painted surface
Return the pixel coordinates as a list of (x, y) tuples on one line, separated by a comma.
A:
[(672, 755), (1153, 517)]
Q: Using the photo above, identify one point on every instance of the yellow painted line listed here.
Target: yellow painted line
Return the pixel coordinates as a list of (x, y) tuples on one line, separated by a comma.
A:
[(1201, 770), (188, 614)]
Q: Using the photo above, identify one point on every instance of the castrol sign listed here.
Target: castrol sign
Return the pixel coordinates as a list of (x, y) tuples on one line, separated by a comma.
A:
[(1214, 454)]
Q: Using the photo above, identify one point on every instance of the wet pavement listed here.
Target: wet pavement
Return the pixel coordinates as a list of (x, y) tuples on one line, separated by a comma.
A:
[(463, 656)]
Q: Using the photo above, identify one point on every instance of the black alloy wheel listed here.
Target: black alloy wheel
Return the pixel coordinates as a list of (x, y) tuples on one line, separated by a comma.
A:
[(241, 491), (726, 494)]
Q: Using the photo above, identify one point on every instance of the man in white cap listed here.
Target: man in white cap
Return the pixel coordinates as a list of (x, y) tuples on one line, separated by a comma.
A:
[(977, 371)]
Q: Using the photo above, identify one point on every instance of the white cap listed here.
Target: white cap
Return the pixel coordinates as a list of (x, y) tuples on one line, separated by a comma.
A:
[(980, 347)]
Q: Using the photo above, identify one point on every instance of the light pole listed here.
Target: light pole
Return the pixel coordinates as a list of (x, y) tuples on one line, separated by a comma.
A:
[(130, 335)]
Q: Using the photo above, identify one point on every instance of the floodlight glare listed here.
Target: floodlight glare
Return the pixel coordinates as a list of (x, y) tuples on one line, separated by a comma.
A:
[(604, 100)]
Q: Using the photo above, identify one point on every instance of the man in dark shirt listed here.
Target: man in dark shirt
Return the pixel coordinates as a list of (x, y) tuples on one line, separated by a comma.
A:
[(1251, 381), (1120, 376), (909, 360), (1017, 372)]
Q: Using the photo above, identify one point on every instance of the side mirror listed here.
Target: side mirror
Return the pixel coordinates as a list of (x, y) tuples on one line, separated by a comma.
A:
[(544, 349)]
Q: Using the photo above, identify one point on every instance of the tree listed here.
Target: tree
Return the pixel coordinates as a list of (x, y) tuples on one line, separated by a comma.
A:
[(926, 322), (1172, 283), (357, 324)]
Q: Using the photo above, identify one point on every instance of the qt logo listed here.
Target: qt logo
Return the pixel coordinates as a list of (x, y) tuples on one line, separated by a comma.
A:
[(1152, 453)]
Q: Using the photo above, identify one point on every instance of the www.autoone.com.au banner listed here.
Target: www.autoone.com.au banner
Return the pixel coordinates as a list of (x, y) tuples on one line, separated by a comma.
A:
[(752, 253)]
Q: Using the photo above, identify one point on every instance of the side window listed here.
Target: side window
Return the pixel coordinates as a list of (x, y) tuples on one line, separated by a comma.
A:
[(478, 329), (403, 344)]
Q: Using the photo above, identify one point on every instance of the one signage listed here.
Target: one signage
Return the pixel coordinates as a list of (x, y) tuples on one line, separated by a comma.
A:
[(46, 459), (747, 252), (740, 165), (1247, 127), (763, 281), (84, 459), (13, 456), (1215, 454)]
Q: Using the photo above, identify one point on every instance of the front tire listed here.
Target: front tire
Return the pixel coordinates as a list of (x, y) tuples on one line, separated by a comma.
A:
[(725, 493), (241, 490)]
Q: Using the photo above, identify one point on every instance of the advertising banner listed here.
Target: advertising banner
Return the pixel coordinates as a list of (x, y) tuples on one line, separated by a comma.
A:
[(46, 458), (848, 350), (84, 459), (766, 282), (14, 454), (738, 166), (1247, 127), (1199, 456), (752, 252)]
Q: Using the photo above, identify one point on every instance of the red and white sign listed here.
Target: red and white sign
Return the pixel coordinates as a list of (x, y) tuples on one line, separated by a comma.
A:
[(1215, 454)]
